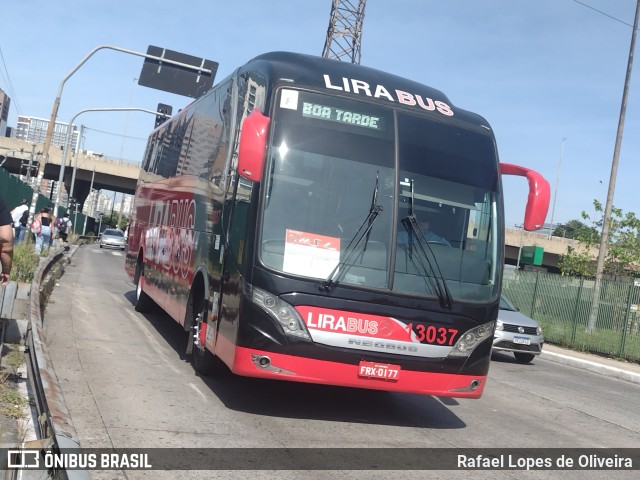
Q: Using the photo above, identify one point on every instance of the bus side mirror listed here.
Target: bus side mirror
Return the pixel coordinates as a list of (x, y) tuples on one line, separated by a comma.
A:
[(253, 146), (539, 193)]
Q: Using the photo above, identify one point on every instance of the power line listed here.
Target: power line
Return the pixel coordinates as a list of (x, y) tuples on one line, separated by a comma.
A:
[(114, 134), (10, 84), (603, 13)]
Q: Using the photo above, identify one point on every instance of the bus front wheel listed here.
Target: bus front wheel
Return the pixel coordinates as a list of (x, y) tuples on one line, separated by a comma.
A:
[(204, 362)]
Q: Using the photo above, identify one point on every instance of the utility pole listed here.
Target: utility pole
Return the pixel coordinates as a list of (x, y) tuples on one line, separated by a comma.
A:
[(75, 164), (520, 247), (593, 316), (33, 154), (93, 175), (344, 35), (120, 211)]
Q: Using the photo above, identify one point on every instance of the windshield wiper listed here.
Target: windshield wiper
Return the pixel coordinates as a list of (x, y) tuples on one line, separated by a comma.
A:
[(431, 270), (363, 233)]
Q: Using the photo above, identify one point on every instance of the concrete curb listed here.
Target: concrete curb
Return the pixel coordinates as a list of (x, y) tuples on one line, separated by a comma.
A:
[(592, 366), (54, 419)]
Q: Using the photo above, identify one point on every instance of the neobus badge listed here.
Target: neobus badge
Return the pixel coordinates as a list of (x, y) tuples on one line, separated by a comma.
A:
[(363, 88)]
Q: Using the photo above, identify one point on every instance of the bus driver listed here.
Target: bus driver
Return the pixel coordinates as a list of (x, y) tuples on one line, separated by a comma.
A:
[(403, 235)]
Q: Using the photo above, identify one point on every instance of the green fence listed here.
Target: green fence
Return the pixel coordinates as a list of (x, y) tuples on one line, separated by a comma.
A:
[(14, 190), (562, 306)]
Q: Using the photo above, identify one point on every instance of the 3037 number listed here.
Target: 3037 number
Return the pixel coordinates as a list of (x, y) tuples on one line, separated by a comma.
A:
[(432, 334)]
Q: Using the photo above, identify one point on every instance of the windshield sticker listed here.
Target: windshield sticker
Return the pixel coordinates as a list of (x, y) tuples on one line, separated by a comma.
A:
[(289, 99), (310, 254)]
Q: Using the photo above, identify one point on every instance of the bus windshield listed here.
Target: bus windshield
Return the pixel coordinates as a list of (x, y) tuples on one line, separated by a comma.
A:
[(333, 161)]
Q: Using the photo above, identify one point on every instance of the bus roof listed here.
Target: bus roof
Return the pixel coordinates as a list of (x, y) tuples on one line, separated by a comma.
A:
[(353, 79)]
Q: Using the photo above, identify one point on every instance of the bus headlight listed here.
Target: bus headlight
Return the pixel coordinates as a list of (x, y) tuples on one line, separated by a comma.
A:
[(287, 316), (471, 339)]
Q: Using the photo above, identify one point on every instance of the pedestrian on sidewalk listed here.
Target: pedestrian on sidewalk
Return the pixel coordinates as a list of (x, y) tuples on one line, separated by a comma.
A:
[(63, 225), (20, 214), (42, 227), (6, 242)]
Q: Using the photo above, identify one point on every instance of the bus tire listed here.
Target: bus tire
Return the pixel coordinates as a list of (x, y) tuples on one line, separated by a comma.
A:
[(204, 362), (143, 301)]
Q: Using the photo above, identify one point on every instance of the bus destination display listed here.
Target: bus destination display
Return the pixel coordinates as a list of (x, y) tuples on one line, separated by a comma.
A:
[(324, 112)]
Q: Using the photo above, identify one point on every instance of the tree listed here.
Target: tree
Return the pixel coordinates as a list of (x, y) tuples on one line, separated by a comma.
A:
[(576, 229), (112, 221), (577, 262), (623, 246)]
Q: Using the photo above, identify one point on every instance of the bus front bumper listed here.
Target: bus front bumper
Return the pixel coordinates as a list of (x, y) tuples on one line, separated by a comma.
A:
[(251, 362)]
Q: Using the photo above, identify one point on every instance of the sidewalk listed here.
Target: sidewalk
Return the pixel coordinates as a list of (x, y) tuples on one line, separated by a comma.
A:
[(594, 363)]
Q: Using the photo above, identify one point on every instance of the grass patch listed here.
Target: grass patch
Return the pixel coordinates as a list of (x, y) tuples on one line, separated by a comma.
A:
[(11, 402), (25, 262), (14, 360)]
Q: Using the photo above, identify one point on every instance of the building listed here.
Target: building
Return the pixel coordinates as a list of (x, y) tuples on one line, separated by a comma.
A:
[(34, 130), (104, 204), (89, 206), (123, 205), (5, 103)]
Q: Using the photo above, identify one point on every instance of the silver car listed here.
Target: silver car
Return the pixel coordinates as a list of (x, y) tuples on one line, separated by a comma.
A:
[(517, 333), (113, 238)]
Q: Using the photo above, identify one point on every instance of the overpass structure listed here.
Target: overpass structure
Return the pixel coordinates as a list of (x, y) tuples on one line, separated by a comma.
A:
[(22, 158), (516, 238)]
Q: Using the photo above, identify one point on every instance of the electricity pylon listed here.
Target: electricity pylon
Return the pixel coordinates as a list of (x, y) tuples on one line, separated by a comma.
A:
[(344, 35)]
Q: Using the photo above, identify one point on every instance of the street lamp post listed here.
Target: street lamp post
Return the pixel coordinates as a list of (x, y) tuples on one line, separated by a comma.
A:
[(56, 106), (68, 137), (555, 192)]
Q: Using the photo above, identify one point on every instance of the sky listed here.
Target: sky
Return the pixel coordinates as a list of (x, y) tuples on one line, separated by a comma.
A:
[(548, 75)]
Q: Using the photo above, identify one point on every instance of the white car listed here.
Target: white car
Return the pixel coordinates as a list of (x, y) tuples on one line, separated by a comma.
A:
[(517, 333), (113, 238)]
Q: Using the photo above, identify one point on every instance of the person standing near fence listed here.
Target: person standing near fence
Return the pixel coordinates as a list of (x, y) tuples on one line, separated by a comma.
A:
[(6, 242), (19, 216), (42, 227)]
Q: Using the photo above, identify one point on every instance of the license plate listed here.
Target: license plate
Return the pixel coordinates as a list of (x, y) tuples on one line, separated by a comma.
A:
[(383, 371), (522, 340)]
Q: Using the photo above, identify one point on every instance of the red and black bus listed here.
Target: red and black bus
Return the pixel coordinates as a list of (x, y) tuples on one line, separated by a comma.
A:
[(317, 221)]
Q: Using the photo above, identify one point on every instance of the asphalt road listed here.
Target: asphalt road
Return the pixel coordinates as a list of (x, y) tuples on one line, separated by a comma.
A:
[(126, 384)]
